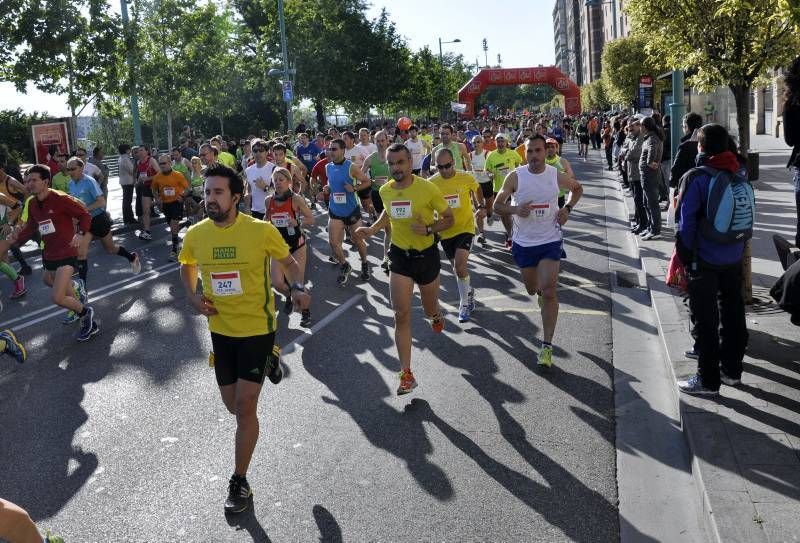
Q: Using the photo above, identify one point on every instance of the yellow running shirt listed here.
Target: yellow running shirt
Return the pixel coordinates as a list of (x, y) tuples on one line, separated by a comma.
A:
[(414, 203), (456, 192), (235, 267), (227, 159), (501, 164)]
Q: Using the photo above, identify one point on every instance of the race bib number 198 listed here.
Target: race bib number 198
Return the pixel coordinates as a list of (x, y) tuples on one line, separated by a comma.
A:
[(540, 212), (453, 201), (226, 283)]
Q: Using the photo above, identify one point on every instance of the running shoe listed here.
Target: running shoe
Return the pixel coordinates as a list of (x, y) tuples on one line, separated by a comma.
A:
[(88, 326), (13, 346), (173, 256), (471, 300), (407, 382), (385, 264), (239, 495), (437, 323), (145, 235), (136, 264), (365, 271), (651, 236), (344, 273), (546, 357), (80, 295), (70, 317), (728, 380), (463, 314), (52, 538), (332, 260), (19, 287), (695, 387), (274, 370), (288, 306), (482, 239), (305, 318)]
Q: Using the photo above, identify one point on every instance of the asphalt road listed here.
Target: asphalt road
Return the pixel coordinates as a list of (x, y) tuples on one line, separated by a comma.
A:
[(124, 438)]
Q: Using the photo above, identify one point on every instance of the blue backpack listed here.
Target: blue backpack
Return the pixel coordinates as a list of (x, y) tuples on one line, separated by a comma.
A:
[(730, 210)]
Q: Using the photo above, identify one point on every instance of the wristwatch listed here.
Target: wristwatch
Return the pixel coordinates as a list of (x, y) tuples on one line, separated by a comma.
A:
[(569, 208), (297, 286)]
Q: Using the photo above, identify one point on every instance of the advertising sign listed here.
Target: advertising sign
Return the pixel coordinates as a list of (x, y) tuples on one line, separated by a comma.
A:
[(646, 95), (47, 134)]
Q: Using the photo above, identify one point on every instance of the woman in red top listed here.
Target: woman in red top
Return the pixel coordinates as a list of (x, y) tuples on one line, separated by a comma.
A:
[(283, 210)]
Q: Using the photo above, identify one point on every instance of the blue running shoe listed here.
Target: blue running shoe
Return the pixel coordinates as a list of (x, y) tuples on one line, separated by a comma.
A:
[(88, 326)]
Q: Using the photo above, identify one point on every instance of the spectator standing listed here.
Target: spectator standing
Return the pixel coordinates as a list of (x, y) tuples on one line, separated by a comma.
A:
[(650, 175), (686, 156), (127, 180), (632, 154), (791, 132), (97, 159)]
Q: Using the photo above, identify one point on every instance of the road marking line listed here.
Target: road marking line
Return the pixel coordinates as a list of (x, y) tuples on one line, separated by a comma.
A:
[(125, 284), (294, 344)]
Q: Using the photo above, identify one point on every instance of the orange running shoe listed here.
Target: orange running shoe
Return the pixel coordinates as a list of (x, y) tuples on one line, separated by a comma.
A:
[(437, 323), (407, 383)]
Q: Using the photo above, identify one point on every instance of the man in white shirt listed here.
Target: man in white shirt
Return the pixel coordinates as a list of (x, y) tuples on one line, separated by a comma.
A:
[(418, 147), (259, 179)]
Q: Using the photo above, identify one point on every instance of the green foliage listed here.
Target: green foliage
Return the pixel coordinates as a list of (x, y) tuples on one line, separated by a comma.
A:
[(517, 97), (15, 134), (722, 42), (67, 47), (624, 60), (594, 96)]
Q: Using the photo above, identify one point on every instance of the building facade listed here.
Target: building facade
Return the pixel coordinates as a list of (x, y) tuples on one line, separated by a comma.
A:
[(591, 30), (560, 35), (574, 66)]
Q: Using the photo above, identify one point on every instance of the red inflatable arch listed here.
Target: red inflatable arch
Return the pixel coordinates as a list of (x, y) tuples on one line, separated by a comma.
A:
[(543, 75)]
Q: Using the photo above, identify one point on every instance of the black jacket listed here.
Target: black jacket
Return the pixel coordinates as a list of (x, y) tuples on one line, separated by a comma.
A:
[(685, 159), (791, 131)]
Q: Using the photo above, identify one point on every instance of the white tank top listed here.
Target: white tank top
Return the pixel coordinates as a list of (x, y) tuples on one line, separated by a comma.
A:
[(541, 189), (479, 166), (416, 148)]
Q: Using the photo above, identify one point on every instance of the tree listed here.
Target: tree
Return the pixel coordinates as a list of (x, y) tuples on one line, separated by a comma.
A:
[(594, 97), (623, 61), (722, 42), (15, 134), (66, 47)]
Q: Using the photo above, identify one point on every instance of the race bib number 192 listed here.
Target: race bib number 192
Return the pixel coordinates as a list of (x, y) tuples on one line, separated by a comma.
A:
[(226, 283)]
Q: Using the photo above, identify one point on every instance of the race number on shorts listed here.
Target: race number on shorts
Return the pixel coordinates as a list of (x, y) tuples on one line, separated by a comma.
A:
[(226, 283), (400, 209)]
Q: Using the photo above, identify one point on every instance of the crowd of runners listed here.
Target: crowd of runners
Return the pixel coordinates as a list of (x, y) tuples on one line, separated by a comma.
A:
[(414, 190)]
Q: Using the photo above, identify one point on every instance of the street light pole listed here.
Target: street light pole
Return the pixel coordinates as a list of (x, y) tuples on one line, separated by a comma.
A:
[(441, 74), (285, 58), (137, 127), (677, 109)]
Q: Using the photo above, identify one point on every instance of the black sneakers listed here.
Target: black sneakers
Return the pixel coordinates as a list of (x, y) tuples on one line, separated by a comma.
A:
[(274, 370), (239, 495), (365, 271)]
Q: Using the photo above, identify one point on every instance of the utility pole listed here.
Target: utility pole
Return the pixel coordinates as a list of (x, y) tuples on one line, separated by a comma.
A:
[(284, 56), (486, 51), (137, 126), (499, 60)]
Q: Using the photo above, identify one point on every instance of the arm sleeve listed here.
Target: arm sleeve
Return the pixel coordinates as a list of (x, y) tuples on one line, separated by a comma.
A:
[(690, 205)]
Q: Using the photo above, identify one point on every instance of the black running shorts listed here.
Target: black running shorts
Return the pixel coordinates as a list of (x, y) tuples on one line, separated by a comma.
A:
[(241, 357)]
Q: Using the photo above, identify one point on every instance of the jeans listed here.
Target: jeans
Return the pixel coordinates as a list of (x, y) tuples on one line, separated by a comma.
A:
[(640, 215), (650, 179), (715, 298), (608, 157), (127, 200)]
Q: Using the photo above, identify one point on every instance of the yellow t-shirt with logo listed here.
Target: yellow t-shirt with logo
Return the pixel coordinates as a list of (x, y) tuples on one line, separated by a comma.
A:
[(227, 159), (501, 164), (235, 267), (416, 202), (456, 192)]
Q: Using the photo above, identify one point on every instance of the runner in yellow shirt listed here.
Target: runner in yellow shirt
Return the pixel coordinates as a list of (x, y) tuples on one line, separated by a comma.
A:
[(233, 253), (499, 164), (409, 205), (460, 190)]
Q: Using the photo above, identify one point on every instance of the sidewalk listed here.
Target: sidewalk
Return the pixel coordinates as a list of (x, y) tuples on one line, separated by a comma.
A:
[(745, 444)]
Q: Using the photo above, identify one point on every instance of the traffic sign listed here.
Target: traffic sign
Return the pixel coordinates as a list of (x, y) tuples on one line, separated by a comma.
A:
[(288, 91)]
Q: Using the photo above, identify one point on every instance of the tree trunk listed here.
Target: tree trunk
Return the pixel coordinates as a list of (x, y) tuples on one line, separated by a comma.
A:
[(221, 127), (320, 111), (169, 129), (155, 132), (741, 94)]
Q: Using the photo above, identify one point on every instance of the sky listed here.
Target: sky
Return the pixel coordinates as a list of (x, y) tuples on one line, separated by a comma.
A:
[(522, 34)]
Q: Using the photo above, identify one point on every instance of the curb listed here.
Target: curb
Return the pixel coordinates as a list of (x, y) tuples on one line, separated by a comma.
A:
[(730, 526)]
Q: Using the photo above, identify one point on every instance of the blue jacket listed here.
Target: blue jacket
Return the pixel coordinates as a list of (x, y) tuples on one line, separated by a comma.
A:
[(692, 209)]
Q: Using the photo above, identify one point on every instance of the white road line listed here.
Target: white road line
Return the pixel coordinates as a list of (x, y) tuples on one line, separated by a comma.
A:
[(124, 285), (294, 344)]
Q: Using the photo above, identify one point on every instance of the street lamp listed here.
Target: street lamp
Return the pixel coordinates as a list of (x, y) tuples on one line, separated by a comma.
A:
[(284, 72), (441, 67)]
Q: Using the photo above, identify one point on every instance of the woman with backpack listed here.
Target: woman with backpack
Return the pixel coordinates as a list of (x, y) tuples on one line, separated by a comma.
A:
[(650, 174), (791, 131)]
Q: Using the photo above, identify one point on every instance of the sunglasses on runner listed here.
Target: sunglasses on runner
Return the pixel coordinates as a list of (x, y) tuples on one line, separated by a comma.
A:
[(444, 166)]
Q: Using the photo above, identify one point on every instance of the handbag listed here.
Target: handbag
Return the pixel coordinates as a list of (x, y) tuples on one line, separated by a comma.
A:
[(676, 272)]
